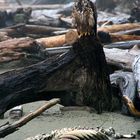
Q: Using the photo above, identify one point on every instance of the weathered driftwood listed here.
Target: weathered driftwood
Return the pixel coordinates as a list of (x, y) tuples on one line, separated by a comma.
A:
[(119, 27), (4, 36), (13, 32), (71, 36), (20, 30), (19, 44), (127, 87), (8, 56), (18, 48), (123, 45), (122, 59), (7, 128), (117, 37), (60, 40), (53, 41), (34, 7), (130, 32), (44, 30), (136, 72)]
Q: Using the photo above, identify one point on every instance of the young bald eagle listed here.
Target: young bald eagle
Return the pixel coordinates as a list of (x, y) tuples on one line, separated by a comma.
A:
[(88, 48)]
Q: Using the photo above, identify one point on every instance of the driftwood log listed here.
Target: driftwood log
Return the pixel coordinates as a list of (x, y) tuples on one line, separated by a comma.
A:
[(121, 59), (71, 37), (120, 27), (25, 29), (4, 36), (14, 49)]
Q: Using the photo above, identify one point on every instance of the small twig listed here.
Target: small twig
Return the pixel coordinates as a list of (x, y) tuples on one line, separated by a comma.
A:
[(10, 128)]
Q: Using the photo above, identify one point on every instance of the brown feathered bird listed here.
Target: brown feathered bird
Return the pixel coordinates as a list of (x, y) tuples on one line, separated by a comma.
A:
[(85, 17), (96, 91)]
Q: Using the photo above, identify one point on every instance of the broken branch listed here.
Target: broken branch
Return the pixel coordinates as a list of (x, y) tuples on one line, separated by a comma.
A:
[(7, 128)]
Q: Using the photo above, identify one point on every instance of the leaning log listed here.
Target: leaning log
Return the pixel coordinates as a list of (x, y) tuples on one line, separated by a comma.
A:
[(25, 29)]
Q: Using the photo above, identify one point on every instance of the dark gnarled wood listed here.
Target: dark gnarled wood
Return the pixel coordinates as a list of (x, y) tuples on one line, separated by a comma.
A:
[(28, 84)]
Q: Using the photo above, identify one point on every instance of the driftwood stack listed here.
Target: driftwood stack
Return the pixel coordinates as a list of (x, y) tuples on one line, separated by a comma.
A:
[(40, 62), (43, 64), (121, 46)]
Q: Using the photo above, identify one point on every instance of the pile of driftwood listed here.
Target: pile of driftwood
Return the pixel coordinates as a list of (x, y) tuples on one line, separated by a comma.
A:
[(41, 67), (30, 46)]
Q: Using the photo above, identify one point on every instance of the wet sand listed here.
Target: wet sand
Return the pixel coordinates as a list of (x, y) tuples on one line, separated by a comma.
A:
[(55, 119)]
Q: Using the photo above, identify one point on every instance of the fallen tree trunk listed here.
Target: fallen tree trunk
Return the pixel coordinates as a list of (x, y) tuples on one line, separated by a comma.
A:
[(19, 44), (10, 128), (20, 30), (18, 48), (123, 45), (60, 40), (8, 56), (122, 59), (53, 41), (71, 37), (34, 7), (119, 27), (44, 30), (14, 49), (117, 37), (130, 32), (36, 82)]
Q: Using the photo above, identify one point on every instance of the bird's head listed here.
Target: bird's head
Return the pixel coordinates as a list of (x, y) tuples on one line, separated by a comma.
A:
[(84, 17)]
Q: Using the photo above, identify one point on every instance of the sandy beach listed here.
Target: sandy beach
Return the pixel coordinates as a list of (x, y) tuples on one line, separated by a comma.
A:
[(55, 119)]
